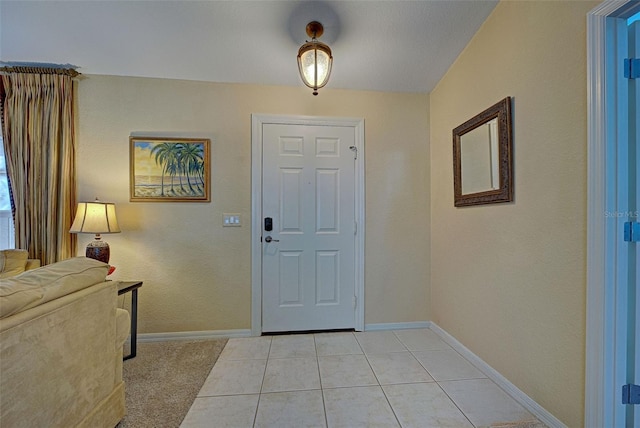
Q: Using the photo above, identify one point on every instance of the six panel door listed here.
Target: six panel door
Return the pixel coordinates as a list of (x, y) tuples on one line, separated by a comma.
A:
[(308, 267)]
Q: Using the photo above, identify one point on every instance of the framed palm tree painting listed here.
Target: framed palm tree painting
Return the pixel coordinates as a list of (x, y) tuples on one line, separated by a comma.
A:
[(169, 169)]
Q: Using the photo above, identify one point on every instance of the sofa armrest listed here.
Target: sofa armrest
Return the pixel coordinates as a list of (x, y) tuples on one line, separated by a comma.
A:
[(123, 324), (59, 362)]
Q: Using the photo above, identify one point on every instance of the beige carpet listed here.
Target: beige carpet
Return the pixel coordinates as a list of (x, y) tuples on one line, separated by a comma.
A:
[(162, 381)]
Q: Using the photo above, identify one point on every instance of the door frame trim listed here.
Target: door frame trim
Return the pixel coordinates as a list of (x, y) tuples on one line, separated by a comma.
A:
[(257, 121), (602, 235)]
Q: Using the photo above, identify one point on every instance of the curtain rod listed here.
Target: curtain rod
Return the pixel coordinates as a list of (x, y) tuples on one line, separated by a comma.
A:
[(39, 70)]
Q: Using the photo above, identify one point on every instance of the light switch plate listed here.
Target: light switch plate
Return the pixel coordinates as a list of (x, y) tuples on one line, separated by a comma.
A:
[(231, 220)]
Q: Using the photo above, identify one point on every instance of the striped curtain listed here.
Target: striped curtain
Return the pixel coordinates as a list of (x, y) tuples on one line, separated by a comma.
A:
[(38, 134)]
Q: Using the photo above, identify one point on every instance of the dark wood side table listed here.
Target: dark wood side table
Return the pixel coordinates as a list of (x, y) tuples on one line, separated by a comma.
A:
[(125, 287)]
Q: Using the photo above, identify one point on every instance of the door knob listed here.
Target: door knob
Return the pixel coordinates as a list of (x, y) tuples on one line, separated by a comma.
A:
[(270, 239)]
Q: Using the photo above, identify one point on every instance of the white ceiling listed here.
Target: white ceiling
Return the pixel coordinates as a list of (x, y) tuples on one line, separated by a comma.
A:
[(403, 46)]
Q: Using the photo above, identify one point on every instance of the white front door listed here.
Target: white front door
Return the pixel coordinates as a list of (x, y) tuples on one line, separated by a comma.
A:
[(308, 227)]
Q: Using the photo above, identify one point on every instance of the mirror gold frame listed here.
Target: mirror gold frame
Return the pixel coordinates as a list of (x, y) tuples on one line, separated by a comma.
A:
[(482, 164)]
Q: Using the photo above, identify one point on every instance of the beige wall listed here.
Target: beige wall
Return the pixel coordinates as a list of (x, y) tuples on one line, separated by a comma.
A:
[(508, 280), (197, 273)]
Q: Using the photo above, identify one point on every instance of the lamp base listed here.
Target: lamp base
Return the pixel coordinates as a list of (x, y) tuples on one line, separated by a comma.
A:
[(98, 250)]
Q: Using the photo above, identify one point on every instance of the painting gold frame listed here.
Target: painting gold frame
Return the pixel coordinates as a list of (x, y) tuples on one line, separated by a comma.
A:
[(169, 169)]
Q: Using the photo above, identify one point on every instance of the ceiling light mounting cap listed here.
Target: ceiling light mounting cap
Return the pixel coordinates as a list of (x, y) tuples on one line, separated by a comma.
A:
[(314, 29)]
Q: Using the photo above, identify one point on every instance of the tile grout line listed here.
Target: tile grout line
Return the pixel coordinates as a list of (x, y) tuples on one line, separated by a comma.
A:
[(324, 405), (437, 382), (378, 380), (255, 416), (395, 415), (456, 404)]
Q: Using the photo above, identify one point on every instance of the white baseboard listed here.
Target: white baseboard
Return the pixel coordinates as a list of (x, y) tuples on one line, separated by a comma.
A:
[(192, 335), (396, 325), (527, 402)]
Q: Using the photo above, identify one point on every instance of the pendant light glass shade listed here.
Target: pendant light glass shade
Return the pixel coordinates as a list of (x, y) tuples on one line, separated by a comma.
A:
[(315, 60)]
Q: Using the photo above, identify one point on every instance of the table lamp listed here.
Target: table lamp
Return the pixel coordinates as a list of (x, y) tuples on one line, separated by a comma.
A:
[(96, 217)]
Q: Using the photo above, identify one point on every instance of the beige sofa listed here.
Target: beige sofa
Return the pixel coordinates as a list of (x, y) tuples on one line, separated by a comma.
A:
[(61, 338), (14, 262)]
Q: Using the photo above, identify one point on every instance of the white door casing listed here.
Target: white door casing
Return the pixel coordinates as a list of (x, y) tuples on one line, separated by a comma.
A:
[(308, 180)]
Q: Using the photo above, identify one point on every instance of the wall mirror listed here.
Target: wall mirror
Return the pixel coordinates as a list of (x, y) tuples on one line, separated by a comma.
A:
[(482, 166)]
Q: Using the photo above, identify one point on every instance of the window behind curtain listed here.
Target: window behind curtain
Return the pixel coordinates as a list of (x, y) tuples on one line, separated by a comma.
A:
[(7, 236)]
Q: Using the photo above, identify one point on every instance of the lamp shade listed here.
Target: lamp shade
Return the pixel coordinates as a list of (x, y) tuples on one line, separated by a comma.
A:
[(95, 217)]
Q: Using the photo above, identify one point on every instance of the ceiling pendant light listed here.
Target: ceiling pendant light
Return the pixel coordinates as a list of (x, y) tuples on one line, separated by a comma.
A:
[(314, 59)]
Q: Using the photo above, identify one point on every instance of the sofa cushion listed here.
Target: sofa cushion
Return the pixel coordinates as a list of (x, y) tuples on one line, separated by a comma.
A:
[(49, 282), (12, 262)]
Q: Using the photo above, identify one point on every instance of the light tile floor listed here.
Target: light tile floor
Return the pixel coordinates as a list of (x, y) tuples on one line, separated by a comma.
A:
[(402, 378)]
